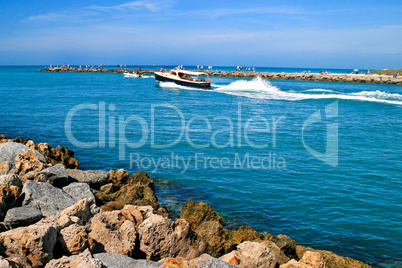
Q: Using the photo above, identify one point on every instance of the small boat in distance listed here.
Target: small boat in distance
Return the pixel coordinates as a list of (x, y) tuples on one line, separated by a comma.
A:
[(136, 74), (184, 78)]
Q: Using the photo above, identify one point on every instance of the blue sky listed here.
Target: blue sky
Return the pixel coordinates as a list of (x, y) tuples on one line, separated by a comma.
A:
[(322, 34)]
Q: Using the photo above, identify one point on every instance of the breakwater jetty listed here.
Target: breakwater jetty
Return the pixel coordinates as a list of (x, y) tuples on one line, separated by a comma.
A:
[(333, 77)]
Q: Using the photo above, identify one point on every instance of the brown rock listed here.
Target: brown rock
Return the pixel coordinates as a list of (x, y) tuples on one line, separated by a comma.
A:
[(215, 237), (113, 205), (16, 261), (119, 177), (141, 178), (8, 194), (333, 260), (280, 256), (232, 257), (28, 161), (134, 194), (84, 209), (161, 238), (198, 212), (247, 233), (175, 263), (253, 254), (309, 260), (73, 239), (36, 242), (5, 167), (287, 245), (108, 233), (109, 188)]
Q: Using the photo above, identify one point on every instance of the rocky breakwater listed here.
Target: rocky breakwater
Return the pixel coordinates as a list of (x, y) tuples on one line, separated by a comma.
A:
[(349, 78), (63, 217)]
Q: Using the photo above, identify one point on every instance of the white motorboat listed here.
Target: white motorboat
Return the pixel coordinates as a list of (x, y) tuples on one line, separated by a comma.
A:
[(184, 78)]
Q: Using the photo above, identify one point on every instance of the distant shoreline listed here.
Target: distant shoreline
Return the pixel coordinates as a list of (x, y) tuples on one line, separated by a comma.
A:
[(331, 77)]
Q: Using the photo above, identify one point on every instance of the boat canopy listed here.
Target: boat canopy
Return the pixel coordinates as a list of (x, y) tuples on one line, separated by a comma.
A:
[(191, 72)]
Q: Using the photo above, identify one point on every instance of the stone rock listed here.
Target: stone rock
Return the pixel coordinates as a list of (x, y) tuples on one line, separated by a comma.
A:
[(108, 233), (231, 257), (309, 260), (5, 167), (119, 177), (109, 188), (59, 222), (28, 161), (10, 180), (79, 191), (121, 261), (160, 238), (36, 242), (197, 212), (134, 194), (8, 194), (280, 256), (247, 233), (73, 239), (287, 245), (9, 151), (84, 209), (13, 263), (217, 263), (56, 175), (95, 178), (113, 205), (175, 263), (196, 262), (22, 216), (141, 178), (49, 199), (333, 260), (136, 214), (60, 154), (215, 237), (253, 254), (85, 259)]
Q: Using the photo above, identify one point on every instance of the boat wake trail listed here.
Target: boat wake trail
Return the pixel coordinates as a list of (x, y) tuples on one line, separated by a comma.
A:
[(263, 89)]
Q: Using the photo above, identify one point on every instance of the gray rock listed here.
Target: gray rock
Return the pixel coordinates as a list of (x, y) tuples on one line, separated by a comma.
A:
[(79, 191), (57, 174), (9, 150), (51, 200), (22, 216), (121, 261), (95, 178), (10, 180), (217, 263)]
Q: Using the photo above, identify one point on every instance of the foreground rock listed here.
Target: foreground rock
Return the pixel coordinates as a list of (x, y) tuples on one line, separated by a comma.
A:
[(84, 259), (110, 234), (51, 200), (36, 242), (121, 261), (161, 237), (9, 151), (22, 216)]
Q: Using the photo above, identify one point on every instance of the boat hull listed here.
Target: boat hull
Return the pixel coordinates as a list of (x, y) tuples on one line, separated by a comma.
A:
[(203, 85)]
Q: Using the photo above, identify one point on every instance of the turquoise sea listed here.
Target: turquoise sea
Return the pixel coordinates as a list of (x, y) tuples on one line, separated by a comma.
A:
[(318, 161)]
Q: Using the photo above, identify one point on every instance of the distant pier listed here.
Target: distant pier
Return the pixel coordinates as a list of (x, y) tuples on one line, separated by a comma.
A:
[(348, 78)]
